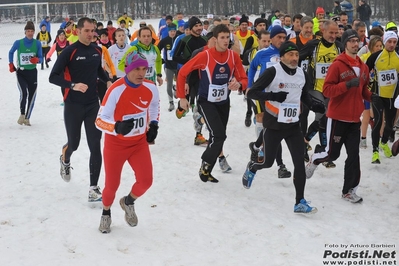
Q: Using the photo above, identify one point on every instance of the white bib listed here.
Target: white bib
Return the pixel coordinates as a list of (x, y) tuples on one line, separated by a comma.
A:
[(168, 55), (288, 113), (139, 123), (305, 65), (217, 93), (25, 57), (321, 70), (387, 77), (44, 43)]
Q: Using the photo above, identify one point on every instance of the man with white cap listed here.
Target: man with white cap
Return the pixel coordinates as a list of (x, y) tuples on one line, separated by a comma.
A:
[(129, 116), (385, 65), (346, 84)]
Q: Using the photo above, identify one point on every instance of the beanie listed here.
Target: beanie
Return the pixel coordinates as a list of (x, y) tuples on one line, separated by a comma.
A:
[(99, 24), (259, 20), (186, 25), (389, 35), (277, 30), (348, 34), (194, 21), (320, 10), (168, 17), (109, 22), (391, 26), (276, 22), (287, 47), (243, 19), (134, 60), (209, 35), (172, 26), (375, 24), (29, 26), (180, 23), (122, 21), (60, 31)]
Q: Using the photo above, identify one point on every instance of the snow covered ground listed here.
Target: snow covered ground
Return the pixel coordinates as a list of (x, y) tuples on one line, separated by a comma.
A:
[(182, 221)]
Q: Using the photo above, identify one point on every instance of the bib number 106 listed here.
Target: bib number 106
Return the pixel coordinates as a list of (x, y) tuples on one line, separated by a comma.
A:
[(290, 112)]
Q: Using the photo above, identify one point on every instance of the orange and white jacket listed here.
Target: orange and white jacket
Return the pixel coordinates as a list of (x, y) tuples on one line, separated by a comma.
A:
[(107, 63), (125, 100)]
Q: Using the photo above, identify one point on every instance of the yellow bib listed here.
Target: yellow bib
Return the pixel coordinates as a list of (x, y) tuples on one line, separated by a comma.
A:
[(322, 60)]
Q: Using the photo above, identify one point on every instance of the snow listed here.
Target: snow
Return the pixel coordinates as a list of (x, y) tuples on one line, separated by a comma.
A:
[(182, 221)]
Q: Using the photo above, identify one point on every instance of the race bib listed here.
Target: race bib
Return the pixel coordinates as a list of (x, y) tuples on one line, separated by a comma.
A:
[(25, 57), (139, 123), (168, 55), (387, 77), (217, 93), (288, 113), (321, 70), (305, 65), (150, 72)]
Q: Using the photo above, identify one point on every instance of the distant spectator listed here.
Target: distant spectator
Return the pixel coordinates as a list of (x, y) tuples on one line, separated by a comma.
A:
[(337, 8), (111, 29), (46, 21), (128, 20), (364, 12)]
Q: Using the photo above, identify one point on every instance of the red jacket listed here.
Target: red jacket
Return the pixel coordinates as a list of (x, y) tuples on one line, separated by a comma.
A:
[(346, 104)]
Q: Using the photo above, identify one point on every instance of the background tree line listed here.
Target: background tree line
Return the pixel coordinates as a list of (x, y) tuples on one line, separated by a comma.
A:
[(382, 9)]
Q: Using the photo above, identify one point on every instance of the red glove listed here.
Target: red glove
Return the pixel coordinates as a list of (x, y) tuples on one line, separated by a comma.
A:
[(34, 60), (12, 67)]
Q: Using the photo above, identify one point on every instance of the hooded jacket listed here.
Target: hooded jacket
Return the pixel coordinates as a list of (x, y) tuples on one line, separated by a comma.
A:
[(346, 104)]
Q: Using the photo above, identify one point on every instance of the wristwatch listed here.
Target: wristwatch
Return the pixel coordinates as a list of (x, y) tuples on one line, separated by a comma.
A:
[(72, 85)]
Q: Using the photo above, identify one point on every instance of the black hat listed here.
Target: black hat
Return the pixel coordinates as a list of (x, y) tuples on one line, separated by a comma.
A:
[(60, 31), (103, 31), (169, 17), (348, 34), (109, 22), (209, 35), (194, 21), (100, 24), (287, 47), (259, 20), (122, 21), (243, 19)]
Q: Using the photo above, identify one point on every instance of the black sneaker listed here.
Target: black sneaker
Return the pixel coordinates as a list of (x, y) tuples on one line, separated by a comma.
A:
[(248, 120), (329, 164), (254, 152), (205, 173), (283, 172)]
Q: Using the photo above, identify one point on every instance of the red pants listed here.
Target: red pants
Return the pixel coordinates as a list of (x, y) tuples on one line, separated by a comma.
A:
[(116, 153)]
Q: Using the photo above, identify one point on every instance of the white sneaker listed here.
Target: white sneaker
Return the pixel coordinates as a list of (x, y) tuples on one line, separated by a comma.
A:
[(95, 194), (26, 122), (351, 196), (105, 224), (309, 169), (130, 214), (65, 170), (224, 166), (171, 106), (363, 143), (21, 119)]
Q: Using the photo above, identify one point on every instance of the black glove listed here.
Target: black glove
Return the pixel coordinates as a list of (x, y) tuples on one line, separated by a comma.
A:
[(124, 127), (352, 83), (152, 132), (114, 78), (318, 107), (277, 96), (48, 60)]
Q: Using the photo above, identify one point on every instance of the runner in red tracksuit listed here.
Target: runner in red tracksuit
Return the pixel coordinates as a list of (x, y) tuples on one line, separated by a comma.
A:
[(346, 86), (129, 116)]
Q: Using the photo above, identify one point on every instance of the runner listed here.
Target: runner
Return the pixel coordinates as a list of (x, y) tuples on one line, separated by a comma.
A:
[(29, 53), (221, 71)]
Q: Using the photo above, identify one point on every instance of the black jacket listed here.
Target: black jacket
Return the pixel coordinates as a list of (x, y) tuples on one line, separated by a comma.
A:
[(364, 12)]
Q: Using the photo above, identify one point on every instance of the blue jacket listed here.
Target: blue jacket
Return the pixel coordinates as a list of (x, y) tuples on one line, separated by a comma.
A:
[(264, 58), (47, 23)]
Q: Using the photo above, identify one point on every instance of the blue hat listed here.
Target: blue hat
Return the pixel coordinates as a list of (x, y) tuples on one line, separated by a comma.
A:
[(180, 23), (277, 30), (171, 26), (375, 24), (186, 25)]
